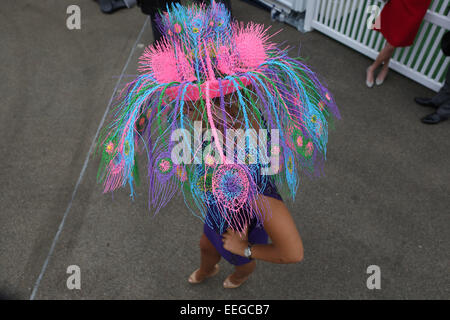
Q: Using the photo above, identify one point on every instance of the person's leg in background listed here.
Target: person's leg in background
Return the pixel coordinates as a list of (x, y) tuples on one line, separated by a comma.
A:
[(383, 58), (444, 110), (110, 6), (444, 94), (441, 101)]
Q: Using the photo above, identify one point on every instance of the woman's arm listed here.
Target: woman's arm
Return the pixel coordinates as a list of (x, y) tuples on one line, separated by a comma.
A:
[(286, 246)]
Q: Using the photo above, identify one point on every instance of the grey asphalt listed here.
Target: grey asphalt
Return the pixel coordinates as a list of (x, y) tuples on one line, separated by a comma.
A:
[(384, 199)]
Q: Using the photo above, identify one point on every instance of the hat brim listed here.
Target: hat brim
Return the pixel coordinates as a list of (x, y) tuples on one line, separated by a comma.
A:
[(216, 89)]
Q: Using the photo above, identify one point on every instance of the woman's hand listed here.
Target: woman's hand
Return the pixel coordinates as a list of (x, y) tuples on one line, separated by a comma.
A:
[(235, 242)]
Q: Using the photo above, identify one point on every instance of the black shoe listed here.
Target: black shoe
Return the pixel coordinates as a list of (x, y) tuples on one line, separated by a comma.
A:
[(425, 102), (433, 118)]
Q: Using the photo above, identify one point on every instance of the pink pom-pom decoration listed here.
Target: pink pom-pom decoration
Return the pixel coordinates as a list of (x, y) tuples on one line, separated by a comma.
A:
[(166, 63), (251, 46)]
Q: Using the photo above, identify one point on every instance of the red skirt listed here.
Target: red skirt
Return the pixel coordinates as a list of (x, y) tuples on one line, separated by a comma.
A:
[(400, 21)]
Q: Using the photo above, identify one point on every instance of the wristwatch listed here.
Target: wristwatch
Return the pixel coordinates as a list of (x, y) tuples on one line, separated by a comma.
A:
[(248, 251)]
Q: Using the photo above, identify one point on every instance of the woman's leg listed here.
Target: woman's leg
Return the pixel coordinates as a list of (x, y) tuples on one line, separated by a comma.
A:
[(388, 55), (242, 272), (383, 57), (209, 257)]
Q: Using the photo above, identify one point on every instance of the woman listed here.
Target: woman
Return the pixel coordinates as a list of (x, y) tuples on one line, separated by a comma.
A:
[(400, 21), (223, 76), (286, 246)]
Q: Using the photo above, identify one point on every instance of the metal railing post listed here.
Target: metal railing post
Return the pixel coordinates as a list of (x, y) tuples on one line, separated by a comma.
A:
[(309, 14)]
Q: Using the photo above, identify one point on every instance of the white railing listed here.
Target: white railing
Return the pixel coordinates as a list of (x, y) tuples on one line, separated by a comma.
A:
[(346, 21)]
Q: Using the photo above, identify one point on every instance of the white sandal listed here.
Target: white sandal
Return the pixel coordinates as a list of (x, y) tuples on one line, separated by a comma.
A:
[(368, 83), (193, 277), (227, 284)]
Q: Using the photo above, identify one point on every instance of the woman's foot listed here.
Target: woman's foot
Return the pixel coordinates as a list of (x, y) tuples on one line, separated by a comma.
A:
[(369, 77), (382, 76), (198, 276), (232, 281)]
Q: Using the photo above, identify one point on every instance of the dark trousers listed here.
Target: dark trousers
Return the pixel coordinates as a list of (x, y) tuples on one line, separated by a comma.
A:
[(442, 98), (152, 7)]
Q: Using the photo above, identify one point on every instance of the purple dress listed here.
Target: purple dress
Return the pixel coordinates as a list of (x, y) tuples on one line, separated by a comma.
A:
[(256, 232)]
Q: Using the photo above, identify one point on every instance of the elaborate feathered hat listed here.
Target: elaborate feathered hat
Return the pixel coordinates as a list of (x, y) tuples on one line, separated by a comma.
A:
[(210, 77)]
